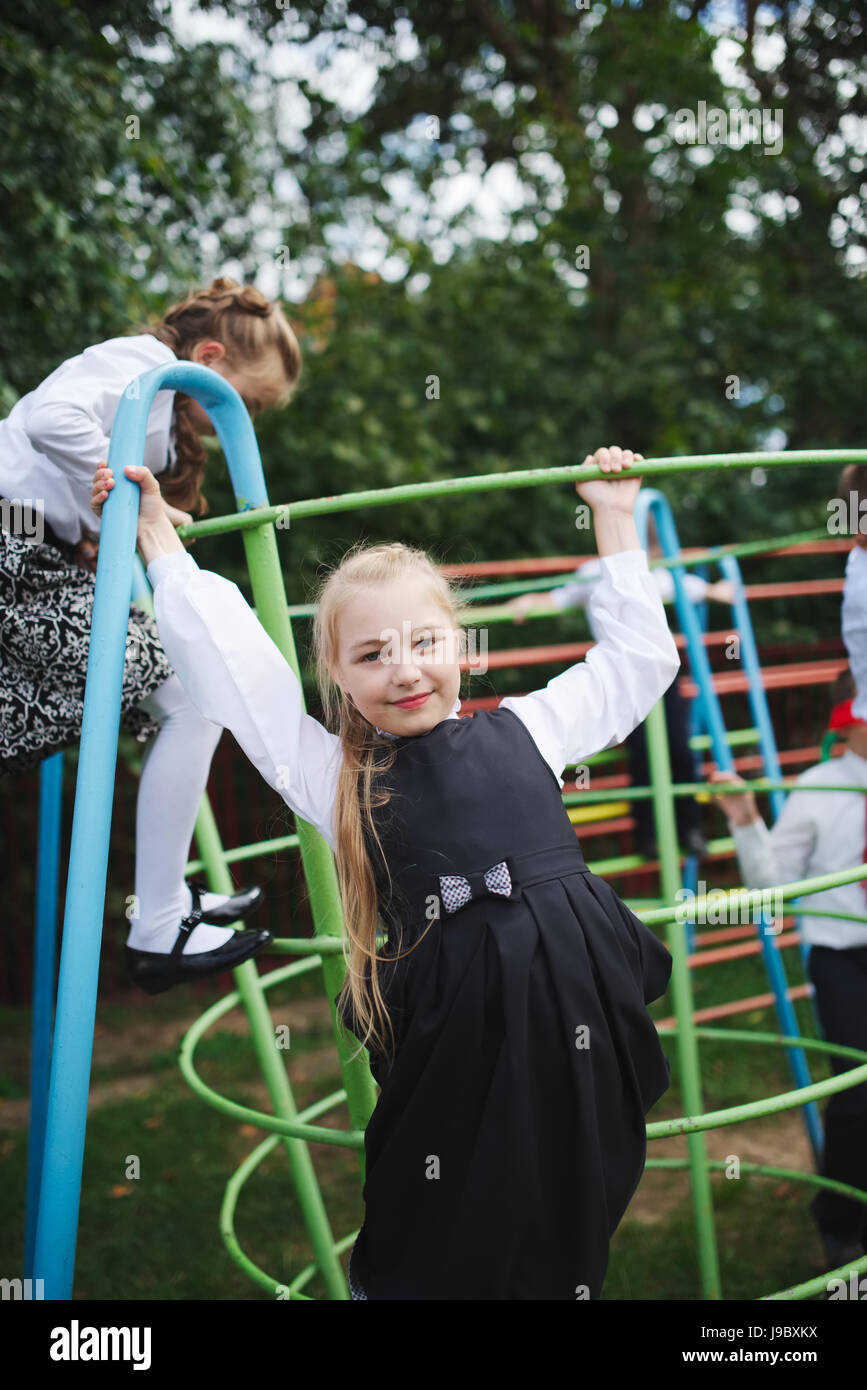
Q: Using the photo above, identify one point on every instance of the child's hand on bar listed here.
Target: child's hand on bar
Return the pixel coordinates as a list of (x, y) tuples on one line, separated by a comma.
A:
[(741, 809)]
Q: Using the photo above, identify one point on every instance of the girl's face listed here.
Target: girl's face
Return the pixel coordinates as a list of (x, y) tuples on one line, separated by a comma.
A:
[(254, 393), (398, 657)]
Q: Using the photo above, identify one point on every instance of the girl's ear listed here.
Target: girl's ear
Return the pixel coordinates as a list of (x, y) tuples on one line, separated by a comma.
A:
[(208, 350)]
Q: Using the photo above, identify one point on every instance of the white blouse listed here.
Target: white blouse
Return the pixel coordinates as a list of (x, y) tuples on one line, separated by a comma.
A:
[(237, 677), (54, 438), (816, 833), (855, 624)]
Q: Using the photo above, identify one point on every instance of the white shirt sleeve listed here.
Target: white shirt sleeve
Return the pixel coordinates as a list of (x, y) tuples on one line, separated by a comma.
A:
[(576, 594), (783, 854), (696, 587), (854, 621), (236, 676), (598, 701), (72, 413)]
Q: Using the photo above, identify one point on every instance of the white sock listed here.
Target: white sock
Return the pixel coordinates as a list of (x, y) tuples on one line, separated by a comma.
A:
[(173, 780)]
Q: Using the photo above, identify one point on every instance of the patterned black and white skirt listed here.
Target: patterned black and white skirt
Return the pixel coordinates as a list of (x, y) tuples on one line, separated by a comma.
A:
[(46, 608)]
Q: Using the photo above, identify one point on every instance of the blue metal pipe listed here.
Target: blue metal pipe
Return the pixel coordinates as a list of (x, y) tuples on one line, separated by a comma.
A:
[(59, 1199), (749, 658), (651, 499)]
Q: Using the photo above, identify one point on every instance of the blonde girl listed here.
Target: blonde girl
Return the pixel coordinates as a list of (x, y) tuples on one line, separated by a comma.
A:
[(505, 1015)]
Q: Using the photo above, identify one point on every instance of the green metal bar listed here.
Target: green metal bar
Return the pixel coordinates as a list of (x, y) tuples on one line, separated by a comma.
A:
[(297, 1127), (491, 482), (681, 990), (840, 916), (510, 587), (751, 897), (734, 740), (768, 1105), (609, 755), (270, 597), (270, 1060), (812, 1286), (710, 555), (304, 945), (274, 1287), (759, 786), (856, 1193), (227, 1220), (235, 856)]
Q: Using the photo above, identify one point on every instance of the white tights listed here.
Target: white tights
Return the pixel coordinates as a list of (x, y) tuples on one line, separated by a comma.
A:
[(174, 776)]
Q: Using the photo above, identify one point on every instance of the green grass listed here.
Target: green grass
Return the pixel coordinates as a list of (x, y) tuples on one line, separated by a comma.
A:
[(764, 1240)]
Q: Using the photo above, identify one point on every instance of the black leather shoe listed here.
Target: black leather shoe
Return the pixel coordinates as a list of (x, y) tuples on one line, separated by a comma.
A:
[(157, 971), (233, 910)]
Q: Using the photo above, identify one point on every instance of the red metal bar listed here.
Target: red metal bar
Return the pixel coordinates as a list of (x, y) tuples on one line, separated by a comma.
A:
[(560, 564), (737, 1006), (483, 569), (743, 933), (739, 952), (794, 588), (773, 677)]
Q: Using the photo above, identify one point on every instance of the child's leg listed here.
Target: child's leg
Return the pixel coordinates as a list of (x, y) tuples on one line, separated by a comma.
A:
[(840, 980), (173, 780)]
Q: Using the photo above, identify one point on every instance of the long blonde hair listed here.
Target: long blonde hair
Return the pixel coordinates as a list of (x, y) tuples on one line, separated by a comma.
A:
[(258, 339), (367, 756)]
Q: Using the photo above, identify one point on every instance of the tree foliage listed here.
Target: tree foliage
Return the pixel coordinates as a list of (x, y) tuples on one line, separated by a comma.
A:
[(635, 277)]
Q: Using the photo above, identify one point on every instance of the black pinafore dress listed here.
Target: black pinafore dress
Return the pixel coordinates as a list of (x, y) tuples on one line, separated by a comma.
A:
[(509, 1134)]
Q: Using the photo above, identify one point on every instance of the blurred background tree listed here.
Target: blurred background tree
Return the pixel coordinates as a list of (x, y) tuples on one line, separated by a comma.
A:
[(488, 196)]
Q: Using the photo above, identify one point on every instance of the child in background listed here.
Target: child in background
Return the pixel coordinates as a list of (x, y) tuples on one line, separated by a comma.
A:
[(506, 1014), (823, 833), (50, 445), (853, 482), (683, 768)]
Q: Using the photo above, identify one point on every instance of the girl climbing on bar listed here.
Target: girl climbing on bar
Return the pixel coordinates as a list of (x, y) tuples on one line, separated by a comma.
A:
[(50, 445), (505, 1015)]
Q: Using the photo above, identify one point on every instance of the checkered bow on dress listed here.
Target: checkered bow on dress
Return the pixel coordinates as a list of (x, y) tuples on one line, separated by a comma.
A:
[(456, 890)]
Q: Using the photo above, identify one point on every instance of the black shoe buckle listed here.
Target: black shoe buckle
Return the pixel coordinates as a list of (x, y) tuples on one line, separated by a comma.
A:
[(189, 924)]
